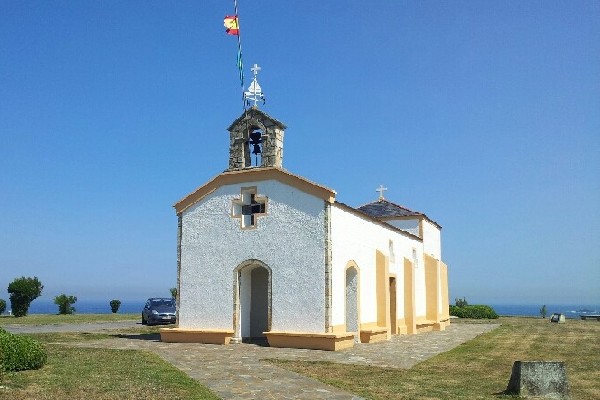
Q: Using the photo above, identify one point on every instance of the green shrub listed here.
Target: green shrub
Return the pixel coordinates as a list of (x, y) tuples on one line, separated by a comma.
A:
[(475, 312), (2, 306), (19, 353), (64, 303), (114, 305)]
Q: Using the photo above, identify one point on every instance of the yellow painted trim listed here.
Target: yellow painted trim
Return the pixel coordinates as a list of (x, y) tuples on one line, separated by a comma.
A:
[(424, 328), (240, 201), (409, 298), (421, 320), (369, 325), (382, 290), (313, 341), (181, 335), (401, 323), (445, 311), (439, 326), (255, 174), (431, 287), (338, 328), (378, 334)]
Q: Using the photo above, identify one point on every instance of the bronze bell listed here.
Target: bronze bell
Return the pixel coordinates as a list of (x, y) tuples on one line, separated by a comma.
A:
[(256, 149)]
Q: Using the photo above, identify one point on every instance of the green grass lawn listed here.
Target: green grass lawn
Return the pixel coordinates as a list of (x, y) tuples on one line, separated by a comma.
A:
[(44, 319), (103, 374), (478, 369)]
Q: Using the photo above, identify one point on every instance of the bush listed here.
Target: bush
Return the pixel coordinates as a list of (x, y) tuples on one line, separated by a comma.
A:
[(64, 303), (114, 305), (2, 306), (19, 353), (22, 292), (475, 312)]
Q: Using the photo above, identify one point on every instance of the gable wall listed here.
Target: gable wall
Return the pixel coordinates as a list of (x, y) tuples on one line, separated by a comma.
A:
[(290, 239), (431, 240), (357, 239), (408, 225)]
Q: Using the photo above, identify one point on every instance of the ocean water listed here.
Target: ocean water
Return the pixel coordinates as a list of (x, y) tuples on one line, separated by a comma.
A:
[(569, 310), (44, 306)]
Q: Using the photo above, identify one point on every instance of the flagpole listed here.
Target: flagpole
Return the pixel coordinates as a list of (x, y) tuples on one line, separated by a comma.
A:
[(239, 56)]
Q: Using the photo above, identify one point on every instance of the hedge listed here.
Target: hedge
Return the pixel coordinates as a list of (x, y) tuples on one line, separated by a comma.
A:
[(475, 312), (19, 353)]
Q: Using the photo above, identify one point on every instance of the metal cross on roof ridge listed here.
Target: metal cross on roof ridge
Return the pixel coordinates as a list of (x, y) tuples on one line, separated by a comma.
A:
[(381, 189), (254, 93)]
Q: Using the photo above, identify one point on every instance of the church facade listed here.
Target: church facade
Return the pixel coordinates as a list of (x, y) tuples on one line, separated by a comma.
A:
[(264, 253)]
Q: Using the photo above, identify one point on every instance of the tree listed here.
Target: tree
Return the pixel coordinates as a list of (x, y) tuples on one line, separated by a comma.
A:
[(22, 292), (2, 306), (114, 305), (173, 292), (461, 302), (543, 311), (64, 303)]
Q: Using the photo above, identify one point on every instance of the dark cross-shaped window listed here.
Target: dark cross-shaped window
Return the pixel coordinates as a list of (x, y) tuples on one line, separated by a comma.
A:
[(248, 207)]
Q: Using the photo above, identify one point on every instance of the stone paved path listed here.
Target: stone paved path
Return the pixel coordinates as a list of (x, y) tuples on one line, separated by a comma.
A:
[(238, 372), (80, 327)]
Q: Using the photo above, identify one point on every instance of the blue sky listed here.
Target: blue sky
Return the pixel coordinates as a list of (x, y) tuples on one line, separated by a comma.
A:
[(483, 115)]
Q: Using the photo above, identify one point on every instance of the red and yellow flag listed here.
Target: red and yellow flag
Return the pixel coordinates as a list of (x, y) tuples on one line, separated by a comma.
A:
[(231, 25)]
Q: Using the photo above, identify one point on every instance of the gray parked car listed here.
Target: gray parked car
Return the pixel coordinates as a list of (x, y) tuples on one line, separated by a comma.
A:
[(158, 310)]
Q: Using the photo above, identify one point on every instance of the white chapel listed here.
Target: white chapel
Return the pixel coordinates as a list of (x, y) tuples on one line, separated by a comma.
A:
[(265, 253)]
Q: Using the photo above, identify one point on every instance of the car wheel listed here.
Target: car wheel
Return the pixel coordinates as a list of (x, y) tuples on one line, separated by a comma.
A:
[(144, 322)]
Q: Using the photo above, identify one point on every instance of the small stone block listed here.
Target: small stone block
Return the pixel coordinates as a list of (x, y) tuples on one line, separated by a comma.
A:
[(545, 379), (373, 335), (559, 318), (182, 335), (313, 341)]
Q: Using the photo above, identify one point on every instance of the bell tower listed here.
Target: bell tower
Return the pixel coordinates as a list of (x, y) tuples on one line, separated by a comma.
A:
[(255, 139)]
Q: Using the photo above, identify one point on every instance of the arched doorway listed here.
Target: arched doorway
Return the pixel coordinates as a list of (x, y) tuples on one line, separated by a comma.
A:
[(252, 301), (352, 324)]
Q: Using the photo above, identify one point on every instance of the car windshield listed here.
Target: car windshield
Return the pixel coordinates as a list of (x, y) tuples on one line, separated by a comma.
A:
[(163, 303)]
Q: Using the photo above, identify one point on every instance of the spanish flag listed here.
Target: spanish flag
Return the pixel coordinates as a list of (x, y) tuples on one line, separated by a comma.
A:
[(231, 25)]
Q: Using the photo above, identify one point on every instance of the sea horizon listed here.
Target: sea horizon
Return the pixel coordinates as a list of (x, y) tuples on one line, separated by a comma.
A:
[(46, 306)]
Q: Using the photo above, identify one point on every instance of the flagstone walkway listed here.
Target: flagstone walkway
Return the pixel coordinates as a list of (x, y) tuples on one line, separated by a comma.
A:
[(239, 372)]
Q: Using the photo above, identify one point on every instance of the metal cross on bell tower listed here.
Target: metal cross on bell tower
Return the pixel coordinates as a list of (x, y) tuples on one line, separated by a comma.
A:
[(254, 93)]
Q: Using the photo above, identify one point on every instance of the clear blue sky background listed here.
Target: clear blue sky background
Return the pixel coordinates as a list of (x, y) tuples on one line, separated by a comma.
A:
[(484, 115)]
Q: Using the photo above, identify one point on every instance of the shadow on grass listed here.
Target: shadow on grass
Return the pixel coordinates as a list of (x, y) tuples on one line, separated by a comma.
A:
[(155, 337)]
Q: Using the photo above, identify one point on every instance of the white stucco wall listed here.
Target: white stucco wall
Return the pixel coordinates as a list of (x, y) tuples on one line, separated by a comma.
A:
[(431, 240), (356, 238), (290, 239)]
